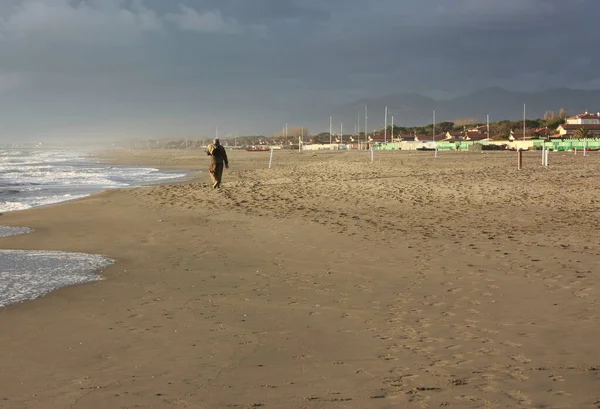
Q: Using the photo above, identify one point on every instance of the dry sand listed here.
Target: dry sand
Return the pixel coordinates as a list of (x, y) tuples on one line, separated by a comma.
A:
[(325, 282)]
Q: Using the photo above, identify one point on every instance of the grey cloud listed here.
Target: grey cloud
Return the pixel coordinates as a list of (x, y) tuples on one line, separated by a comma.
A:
[(190, 19), (261, 62), (58, 21)]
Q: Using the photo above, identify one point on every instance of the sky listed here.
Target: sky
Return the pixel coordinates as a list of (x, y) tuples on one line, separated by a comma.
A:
[(168, 68)]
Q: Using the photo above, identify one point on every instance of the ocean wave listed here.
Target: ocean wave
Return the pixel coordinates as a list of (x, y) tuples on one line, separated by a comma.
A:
[(7, 231), (37, 201), (57, 176), (27, 275)]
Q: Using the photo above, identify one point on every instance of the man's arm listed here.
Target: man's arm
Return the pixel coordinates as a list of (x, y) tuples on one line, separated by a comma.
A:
[(225, 158)]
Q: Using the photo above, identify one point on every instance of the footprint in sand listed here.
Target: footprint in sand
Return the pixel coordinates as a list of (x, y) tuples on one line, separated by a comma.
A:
[(486, 352), (584, 292), (511, 344), (520, 358), (519, 396), (517, 374), (468, 335), (487, 388)]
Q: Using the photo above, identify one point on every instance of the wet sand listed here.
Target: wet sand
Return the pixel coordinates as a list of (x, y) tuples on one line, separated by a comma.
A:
[(325, 282)]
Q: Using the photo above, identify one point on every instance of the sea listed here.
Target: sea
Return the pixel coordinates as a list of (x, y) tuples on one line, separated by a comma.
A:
[(40, 177)]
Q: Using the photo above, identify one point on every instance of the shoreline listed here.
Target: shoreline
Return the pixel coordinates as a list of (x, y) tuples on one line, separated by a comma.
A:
[(97, 157), (324, 282), (104, 157)]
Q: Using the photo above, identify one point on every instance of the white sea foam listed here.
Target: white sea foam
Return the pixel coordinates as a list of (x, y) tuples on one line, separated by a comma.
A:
[(26, 275), (38, 178), (37, 201), (7, 231)]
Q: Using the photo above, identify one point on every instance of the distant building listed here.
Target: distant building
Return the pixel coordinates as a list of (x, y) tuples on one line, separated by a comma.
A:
[(453, 135), (587, 121), (518, 135), (571, 130), (475, 136), (584, 119), (481, 129)]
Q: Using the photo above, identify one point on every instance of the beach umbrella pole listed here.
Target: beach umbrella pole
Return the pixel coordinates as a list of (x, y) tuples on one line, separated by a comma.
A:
[(545, 152)]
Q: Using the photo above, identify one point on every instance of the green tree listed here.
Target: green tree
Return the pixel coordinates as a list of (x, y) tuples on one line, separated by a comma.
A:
[(554, 122), (444, 127), (322, 137)]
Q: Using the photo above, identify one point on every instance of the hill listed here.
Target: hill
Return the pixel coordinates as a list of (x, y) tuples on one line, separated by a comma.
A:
[(500, 104)]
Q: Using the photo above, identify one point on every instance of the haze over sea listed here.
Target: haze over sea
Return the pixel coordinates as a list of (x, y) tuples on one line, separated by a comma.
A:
[(36, 177)]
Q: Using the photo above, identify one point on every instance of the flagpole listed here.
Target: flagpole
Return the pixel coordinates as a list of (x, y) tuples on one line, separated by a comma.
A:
[(524, 105), (385, 126), (330, 131), (392, 136), (358, 131), (366, 125), (433, 130), (341, 133)]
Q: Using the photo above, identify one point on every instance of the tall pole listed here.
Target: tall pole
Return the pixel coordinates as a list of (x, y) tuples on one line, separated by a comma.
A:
[(330, 130), (392, 137), (358, 130), (524, 105), (302, 133), (433, 130), (341, 132), (385, 126), (366, 125), (286, 133), (488, 127)]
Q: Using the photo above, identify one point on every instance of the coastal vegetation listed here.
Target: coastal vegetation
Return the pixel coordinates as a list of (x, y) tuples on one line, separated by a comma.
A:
[(539, 127)]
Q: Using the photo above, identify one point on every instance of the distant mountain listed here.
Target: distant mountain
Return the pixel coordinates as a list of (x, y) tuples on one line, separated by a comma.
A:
[(500, 104)]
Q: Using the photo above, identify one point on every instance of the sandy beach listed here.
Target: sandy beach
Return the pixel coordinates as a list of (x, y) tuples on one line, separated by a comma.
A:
[(325, 282)]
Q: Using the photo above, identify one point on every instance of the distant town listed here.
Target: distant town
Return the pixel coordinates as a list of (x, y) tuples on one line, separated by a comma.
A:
[(558, 130)]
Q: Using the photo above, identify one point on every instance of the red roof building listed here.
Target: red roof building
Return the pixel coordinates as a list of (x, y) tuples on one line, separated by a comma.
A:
[(571, 130), (584, 119)]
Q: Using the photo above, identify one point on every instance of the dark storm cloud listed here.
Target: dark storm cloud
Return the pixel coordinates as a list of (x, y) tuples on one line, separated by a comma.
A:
[(254, 64)]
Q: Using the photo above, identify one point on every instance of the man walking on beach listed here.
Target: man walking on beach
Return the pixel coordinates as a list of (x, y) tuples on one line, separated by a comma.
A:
[(218, 159)]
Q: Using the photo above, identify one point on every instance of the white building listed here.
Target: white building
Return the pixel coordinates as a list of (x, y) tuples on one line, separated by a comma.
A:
[(584, 119)]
